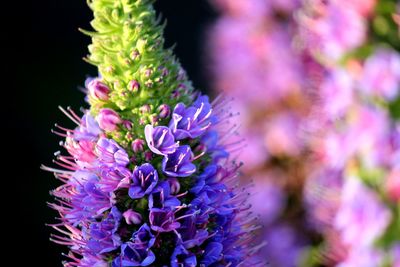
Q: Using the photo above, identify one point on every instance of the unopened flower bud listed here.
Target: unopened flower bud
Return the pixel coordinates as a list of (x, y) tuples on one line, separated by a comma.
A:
[(127, 124), (134, 86), (144, 109), (153, 119), (149, 84), (393, 185), (148, 72), (108, 119), (176, 94), (98, 90), (132, 217), (135, 54), (164, 110), (137, 145)]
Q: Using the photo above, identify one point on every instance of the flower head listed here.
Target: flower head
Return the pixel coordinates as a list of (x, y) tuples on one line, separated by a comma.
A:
[(122, 203)]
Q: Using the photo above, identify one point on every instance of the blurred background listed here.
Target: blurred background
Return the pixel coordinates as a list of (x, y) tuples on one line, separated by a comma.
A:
[(46, 71)]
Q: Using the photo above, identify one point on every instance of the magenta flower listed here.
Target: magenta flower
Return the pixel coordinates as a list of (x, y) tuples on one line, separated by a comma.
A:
[(110, 153)]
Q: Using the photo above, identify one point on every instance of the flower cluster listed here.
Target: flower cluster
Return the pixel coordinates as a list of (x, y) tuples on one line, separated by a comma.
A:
[(351, 194), (317, 84), (257, 63), (148, 180)]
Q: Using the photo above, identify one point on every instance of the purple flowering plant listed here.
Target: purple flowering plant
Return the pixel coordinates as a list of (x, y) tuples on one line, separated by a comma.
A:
[(147, 181)]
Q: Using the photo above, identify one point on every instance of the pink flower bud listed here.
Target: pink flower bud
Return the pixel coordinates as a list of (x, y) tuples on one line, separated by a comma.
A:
[(174, 185), (127, 124), (134, 86), (135, 54), (137, 145), (108, 119), (98, 90), (148, 72), (393, 185), (164, 110), (132, 217), (144, 109), (176, 94), (153, 119)]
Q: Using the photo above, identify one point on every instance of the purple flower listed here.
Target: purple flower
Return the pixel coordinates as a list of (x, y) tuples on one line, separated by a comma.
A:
[(288, 245), (183, 258), (192, 121), (113, 178), (190, 236), (89, 260), (163, 220), (161, 197), (87, 199), (212, 254), (88, 129), (210, 141), (110, 153), (102, 235), (108, 119), (160, 140), (136, 252), (144, 180), (179, 163)]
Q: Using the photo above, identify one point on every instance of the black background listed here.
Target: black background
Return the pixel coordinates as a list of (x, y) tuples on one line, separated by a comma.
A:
[(44, 70)]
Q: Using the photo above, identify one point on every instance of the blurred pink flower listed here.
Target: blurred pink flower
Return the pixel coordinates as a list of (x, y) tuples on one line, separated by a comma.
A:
[(335, 29), (337, 93), (282, 135), (393, 185), (362, 217), (381, 75), (364, 257)]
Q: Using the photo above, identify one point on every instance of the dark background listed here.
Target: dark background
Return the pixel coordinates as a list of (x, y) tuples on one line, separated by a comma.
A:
[(44, 71)]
